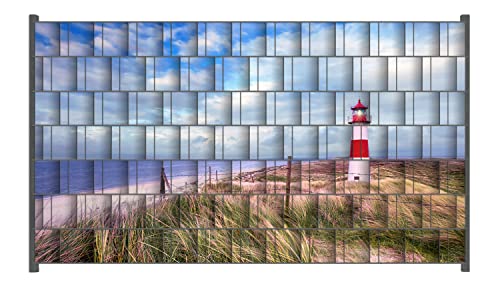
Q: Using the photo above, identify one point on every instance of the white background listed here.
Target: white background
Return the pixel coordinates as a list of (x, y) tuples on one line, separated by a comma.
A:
[(14, 144)]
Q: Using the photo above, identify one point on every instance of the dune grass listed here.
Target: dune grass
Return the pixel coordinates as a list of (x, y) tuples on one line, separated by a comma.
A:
[(255, 228), (169, 234)]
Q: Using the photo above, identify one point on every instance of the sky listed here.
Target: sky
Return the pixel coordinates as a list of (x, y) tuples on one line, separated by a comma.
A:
[(255, 39), (144, 41), (292, 108), (243, 57)]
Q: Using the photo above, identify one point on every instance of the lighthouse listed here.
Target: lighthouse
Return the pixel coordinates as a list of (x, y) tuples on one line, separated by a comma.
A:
[(359, 158)]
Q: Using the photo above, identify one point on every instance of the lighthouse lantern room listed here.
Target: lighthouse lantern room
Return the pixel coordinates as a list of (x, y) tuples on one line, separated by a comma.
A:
[(359, 158)]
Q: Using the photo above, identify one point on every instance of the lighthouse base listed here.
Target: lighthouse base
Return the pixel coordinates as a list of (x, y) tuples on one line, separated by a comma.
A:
[(359, 171)]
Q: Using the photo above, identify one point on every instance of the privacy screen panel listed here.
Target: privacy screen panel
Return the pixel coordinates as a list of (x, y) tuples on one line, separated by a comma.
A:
[(249, 142)]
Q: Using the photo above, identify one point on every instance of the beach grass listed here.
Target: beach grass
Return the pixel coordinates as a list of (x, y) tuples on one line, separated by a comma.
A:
[(260, 228), (154, 236)]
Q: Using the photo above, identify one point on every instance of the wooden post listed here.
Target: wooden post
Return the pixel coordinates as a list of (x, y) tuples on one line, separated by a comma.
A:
[(216, 177), (163, 182), (288, 180), (210, 175)]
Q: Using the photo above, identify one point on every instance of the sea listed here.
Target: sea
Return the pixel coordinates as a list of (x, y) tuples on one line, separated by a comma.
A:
[(133, 177)]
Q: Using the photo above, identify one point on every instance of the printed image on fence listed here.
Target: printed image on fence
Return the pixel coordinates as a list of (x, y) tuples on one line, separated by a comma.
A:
[(250, 142)]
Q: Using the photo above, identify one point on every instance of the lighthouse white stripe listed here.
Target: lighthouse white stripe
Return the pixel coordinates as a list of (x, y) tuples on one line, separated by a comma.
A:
[(359, 132)]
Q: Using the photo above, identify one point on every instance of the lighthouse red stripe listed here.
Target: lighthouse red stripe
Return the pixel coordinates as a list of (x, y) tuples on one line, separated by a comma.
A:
[(359, 148)]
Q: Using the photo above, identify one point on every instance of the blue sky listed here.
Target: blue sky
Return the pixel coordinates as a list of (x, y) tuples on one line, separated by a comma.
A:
[(322, 107), (184, 39), (301, 149), (47, 39), (66, 74), (322, 39), (47, 108), (167, 142), (270, 142), (236, 139), (133, 72), (236, 74), (391, 40), (109, 39), (132, 142), (114, 39), (81, 39), (81, 108), (115, 106), (149, 39), (288, 108), (98, 74), (149, 108), (356, 39), (167, 74), (236, 142), (287, 39), (409, 74), (63, 143), (270, 75), (218, 108), (201, 74), (184, 108), (218, 39), (305, 74), (202, 143), (253, 107), (374, 74), (426, 39), (393, 106), (98, 142), (253, 39), (339, 74), (181, 39)]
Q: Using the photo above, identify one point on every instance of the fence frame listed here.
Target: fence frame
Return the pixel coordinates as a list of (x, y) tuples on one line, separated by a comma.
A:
[(33, 19)]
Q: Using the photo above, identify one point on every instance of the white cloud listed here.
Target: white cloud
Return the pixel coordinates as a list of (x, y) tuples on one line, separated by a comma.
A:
[(168, 80), (356, 39), (305, 142), (270, 142), (115, 39), (456, 39), (426, 42), (202, 143), (236, 143), (409, 74), (218, 108), (217, 43), (132, 76), (254, 47), (98, 74), (322, 39), (305, 74), (63, 73), (48, 44), (288, 43), (339, 73), (444, 74), (201, 80), (270, 74), (184, 47), (392, 39), (374, 74)]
